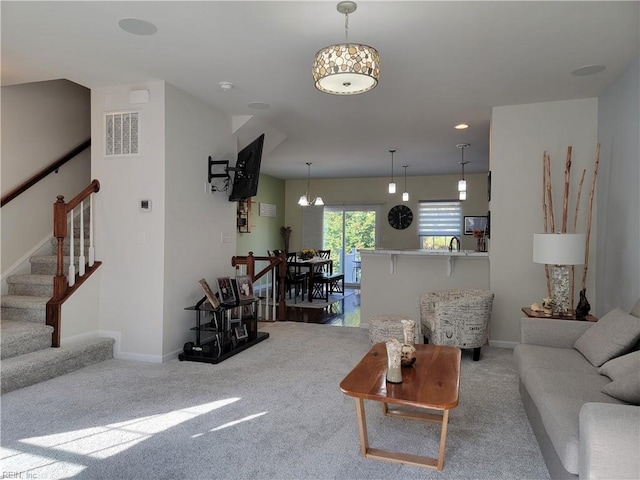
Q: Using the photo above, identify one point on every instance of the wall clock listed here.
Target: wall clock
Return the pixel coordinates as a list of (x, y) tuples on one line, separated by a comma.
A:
[(400, 217)]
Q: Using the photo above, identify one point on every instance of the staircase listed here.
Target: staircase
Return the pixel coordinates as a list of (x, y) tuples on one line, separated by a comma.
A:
[(25, 338)]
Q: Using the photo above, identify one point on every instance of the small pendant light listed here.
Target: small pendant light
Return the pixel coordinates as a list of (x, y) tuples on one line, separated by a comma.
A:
[(462, 183), (405, 194), (392, 184)]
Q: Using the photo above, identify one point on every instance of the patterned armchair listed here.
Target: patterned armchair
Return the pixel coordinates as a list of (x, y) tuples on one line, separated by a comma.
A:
[(457, 317)]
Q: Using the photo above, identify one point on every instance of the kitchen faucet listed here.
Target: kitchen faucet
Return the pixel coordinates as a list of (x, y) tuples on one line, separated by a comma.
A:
[(457, 243)]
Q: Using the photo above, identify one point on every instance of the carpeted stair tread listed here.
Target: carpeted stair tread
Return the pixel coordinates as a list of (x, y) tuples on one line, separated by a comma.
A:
[(29, 284), (32, 279), (18, 337), (24, 301), (24, 307), (48, 264), (35, 367)]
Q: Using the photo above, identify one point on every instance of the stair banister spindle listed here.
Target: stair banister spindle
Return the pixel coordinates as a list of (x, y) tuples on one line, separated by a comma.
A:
[(81, 259), (60, 232), (92, 253), (72, 266)]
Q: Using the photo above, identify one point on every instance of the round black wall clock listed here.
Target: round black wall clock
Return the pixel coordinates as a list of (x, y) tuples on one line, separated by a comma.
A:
[(400, 217)]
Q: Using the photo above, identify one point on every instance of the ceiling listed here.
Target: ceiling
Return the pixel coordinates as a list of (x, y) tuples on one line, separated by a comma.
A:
[(442, 63)]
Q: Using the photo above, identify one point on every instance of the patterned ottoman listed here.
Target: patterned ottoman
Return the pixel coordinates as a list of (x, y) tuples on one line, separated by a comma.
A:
[(384, 327)]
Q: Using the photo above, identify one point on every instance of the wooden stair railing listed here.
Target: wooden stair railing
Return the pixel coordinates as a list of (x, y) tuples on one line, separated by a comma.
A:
[(278, 262), (62, 289), (53, 167)]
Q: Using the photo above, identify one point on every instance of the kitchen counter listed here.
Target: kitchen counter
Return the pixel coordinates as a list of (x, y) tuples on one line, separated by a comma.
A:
[(450, 255), (393, 279)]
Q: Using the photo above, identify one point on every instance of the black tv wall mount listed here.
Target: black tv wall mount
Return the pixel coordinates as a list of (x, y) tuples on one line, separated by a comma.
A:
[(214, 166)]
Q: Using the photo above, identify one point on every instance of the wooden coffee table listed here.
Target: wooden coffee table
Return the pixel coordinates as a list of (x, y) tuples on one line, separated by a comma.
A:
[(432, 384)]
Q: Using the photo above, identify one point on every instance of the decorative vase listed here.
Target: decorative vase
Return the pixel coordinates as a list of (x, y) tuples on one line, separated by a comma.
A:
[(583, 307), (408, 347), (394, 356)]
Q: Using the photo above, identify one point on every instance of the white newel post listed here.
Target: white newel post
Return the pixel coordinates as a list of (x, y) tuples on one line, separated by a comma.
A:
[(92, 255), (72, 267), (81, 260)]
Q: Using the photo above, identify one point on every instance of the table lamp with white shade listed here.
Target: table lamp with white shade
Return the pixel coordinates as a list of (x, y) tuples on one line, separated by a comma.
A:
[(559, 250)]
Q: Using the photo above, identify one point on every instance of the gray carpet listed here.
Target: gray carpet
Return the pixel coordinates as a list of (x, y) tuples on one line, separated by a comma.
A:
[(273, 411)]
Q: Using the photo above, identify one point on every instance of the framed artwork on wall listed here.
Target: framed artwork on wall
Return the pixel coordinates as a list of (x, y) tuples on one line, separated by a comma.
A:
[(472, 224)]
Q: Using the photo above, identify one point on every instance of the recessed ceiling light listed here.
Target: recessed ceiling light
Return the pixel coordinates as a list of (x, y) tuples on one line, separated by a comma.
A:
[(259, 105), (137, 26), (226, 86), (461, 126), (588, 70)]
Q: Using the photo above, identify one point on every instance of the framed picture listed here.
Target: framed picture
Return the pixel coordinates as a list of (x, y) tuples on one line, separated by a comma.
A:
[(489, 186), (213, 300), (241, 332), (472, 224), (245, 287), (234, 323), (225, 289)]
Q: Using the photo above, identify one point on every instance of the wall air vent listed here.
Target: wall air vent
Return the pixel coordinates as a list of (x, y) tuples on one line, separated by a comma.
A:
[(122, 131)]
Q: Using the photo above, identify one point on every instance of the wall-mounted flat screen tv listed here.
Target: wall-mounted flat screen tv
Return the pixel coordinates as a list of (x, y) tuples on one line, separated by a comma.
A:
[(247, 171)]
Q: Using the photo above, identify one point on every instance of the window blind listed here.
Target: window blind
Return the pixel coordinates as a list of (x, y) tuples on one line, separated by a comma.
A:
[(439, 218)]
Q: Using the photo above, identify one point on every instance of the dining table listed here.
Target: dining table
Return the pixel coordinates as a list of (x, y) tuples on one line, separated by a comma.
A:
[(312, 264)]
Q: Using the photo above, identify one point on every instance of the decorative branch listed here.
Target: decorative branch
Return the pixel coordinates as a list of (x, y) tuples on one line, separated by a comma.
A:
[(586, 248), (575, 227), (550, 195), (575, 215), (565, 200), (544, 212)]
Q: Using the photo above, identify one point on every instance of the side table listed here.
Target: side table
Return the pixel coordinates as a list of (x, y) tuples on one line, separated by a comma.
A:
[(570, 316)]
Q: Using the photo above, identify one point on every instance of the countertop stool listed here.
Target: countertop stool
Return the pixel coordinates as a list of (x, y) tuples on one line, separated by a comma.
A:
[(383, 327)]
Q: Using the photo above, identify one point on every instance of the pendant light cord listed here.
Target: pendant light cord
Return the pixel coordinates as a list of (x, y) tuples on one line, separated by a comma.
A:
[(392, 151), (346, 27)]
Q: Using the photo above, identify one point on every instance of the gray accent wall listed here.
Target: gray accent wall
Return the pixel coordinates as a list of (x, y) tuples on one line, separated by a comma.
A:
[(618, 243)]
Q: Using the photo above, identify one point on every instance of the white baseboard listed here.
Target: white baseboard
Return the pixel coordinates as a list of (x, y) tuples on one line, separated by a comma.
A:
[(502, 344)]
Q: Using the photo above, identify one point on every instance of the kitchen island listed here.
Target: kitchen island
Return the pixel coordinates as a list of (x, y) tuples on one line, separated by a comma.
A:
[(392, 280)]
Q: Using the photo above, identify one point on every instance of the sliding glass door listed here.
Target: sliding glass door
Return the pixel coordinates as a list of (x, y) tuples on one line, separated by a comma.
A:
[(348, 229)]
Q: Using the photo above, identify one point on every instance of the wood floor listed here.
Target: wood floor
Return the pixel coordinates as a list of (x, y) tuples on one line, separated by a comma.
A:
[(344, 313)]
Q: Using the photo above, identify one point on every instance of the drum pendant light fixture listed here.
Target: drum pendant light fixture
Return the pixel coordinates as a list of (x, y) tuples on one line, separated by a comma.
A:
[(346, 68)]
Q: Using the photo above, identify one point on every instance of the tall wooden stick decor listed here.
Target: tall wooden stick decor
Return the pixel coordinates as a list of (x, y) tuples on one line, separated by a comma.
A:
[(586, 248), (548, 214), (544, 213), (572, 274), (565, 208)]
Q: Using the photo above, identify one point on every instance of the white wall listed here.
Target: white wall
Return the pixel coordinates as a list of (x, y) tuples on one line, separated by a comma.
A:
[(618, 262), (519, 136), (130, 243), (40, 122), (80, 313), (195, 221)]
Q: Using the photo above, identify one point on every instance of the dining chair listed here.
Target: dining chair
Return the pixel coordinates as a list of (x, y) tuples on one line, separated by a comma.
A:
[(294, 278), (324, 268)]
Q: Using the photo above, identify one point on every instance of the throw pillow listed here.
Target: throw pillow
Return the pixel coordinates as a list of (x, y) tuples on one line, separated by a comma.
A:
[(617, 368), (616, 333), (626, 389), (635, 311)]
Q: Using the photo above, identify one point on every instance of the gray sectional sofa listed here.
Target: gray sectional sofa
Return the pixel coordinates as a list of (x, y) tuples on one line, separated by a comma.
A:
[(580, 386)]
